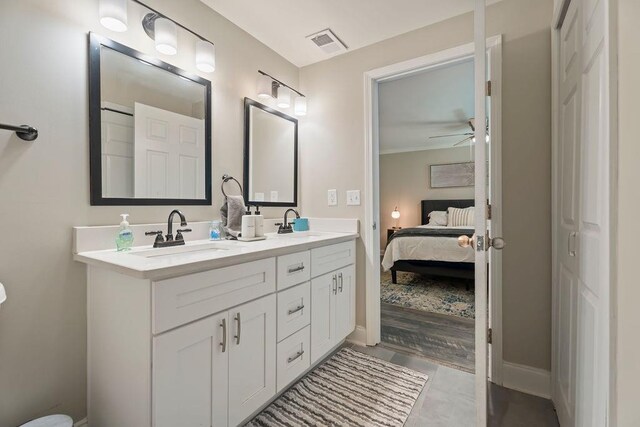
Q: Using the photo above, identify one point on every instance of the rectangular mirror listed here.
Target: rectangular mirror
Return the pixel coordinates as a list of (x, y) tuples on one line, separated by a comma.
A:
[(150, 129), (270, 156)]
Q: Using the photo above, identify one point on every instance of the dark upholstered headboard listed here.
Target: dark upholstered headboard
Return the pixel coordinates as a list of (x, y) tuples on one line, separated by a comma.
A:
[(429, 206)]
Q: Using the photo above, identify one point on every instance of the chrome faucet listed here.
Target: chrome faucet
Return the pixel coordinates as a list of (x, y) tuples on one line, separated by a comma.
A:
[(168, 240), (285, 226)]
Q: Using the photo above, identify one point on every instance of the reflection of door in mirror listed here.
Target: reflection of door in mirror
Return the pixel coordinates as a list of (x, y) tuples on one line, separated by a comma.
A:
[(155, 127)]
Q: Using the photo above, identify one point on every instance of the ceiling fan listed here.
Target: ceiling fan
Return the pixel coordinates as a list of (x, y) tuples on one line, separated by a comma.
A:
[(467, 135)]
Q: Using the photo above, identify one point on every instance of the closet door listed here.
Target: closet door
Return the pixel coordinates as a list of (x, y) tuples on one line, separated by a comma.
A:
[(190, 375), (568, 175), (252, 357), (323, 315)]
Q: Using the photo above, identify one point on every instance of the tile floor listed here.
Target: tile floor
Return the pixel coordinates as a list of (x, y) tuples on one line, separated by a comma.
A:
[(448, 398)]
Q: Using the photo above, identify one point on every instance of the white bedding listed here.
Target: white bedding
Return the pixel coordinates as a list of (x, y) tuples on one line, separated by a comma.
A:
[(427, 248)]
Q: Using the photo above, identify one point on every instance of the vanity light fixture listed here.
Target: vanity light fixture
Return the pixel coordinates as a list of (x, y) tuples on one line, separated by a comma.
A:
[(160, 28), (270, 87), (113, 14)]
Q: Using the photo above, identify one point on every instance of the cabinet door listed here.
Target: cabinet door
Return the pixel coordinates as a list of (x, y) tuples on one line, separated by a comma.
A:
[(252, 361), (323, 314), (190, 375), (345, 303)]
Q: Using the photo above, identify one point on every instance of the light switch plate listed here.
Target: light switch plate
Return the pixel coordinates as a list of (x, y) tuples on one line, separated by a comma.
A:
[(353, 198), (332, 197)]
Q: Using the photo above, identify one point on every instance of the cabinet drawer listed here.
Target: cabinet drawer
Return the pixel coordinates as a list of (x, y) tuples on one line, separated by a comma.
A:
[(329, 258), (187, 298), (294, 310), (293, 357), (293, 269)]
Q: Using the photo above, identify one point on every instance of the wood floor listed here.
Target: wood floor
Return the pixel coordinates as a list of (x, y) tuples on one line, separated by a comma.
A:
[(447, 340)]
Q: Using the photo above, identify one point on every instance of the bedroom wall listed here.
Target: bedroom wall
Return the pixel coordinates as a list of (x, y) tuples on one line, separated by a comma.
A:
[(404, 182), (332, 147), (44, 185)]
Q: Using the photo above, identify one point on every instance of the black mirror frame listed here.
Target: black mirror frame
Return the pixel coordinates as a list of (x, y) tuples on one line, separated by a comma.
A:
[(95, 127), (248, 103)]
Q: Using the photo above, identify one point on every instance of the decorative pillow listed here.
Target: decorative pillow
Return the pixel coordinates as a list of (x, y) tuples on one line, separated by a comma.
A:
[(438, 218), (461, 217)]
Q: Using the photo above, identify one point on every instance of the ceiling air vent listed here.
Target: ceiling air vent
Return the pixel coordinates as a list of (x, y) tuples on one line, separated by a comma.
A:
[(328, 42)]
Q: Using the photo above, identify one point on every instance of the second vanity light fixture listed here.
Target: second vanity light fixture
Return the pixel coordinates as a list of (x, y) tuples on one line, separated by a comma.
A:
[(270, 87), (163, 30)]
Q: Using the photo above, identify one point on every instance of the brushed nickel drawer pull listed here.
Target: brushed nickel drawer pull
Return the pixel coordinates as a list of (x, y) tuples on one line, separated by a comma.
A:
[(223, 325), (296, 269), (295, 310), (297, 356), (237, 337)]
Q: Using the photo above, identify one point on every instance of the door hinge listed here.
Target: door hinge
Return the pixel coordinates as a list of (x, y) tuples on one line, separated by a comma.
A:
[(490, 336), (488, 211), (489, 88)]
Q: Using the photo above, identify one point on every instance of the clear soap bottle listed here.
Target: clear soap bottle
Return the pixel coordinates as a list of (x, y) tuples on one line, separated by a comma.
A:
[(124, 239)]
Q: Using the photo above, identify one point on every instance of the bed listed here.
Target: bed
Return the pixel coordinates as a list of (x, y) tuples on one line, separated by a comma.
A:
[(430, 250)]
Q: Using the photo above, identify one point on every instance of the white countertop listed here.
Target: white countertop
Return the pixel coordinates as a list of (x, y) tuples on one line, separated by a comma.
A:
[(145, 262)]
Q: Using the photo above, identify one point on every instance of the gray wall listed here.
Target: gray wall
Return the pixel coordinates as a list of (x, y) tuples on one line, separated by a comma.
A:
[(627, 316), (405, 181), (44, 185), (332, 146)]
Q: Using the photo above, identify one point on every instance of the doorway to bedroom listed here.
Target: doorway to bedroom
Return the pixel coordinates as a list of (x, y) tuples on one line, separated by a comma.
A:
[(421, 197), (426, 163)]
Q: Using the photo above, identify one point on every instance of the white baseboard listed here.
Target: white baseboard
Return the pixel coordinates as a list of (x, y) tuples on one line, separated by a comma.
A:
[(526, 379), (359, 336), (81, 423)]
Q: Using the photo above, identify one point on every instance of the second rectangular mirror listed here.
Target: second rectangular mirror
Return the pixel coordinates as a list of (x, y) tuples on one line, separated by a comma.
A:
[(270, 156)]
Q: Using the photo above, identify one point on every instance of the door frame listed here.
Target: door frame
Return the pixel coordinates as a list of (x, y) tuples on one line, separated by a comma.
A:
[(559, 14), (371, 232)]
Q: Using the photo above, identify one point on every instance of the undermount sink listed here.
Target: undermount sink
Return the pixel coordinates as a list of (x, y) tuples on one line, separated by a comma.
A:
[(181, 250)]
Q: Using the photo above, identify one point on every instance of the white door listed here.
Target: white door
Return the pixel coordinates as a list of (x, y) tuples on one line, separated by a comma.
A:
[(345, 303), (323, 315), (190, 380), (568, 173), (252, 357), (592, 370), (169, 154), (117, 154)]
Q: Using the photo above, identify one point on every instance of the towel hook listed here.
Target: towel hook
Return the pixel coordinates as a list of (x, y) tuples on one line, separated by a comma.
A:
[(226, 178)]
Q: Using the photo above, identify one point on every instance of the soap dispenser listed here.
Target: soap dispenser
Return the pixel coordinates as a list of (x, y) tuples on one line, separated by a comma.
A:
[(124, 239), (259, 222)]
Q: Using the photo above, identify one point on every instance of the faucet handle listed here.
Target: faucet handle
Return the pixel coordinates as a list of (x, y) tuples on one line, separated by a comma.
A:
[(159, 238), (153, 233), (179, 235)]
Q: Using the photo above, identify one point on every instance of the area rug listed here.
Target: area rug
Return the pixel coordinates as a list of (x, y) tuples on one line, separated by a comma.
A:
[(349, 389), (436, 295)]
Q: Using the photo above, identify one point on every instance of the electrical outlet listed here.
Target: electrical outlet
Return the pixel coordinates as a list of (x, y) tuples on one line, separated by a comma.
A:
[(353, 198), (332, 197)]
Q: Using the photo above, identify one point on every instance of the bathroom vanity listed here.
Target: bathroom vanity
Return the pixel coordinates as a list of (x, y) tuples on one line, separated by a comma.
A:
[(209, 333)]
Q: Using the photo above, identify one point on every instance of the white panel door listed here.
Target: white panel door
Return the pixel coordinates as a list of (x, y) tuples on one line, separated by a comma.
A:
[(323, 315), (568, 213), (169, 154), (252, 357), (592, 371), (190, 379), (117, 154), (345, 303)]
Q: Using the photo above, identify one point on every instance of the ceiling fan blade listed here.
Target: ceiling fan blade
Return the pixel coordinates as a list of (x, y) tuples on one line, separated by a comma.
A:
[(449, 136), (463, 141)]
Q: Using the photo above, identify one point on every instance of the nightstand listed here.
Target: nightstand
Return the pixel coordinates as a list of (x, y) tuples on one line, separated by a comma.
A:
[(392, 230)]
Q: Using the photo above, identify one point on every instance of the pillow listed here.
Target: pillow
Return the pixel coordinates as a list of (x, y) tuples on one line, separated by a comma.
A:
[(438, 218), (461, 217)]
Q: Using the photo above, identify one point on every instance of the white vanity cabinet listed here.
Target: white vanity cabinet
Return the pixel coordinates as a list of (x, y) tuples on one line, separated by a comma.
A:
[(212, 347)]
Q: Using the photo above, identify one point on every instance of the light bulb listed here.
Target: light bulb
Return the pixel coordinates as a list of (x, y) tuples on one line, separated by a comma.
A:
[(205, 56), (113, 14), (300, 106), (395, 214), (264, 86), (284, 97), (166, 35)]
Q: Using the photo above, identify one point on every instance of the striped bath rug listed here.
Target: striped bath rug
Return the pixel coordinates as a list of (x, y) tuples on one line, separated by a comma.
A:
[(349, 389)]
